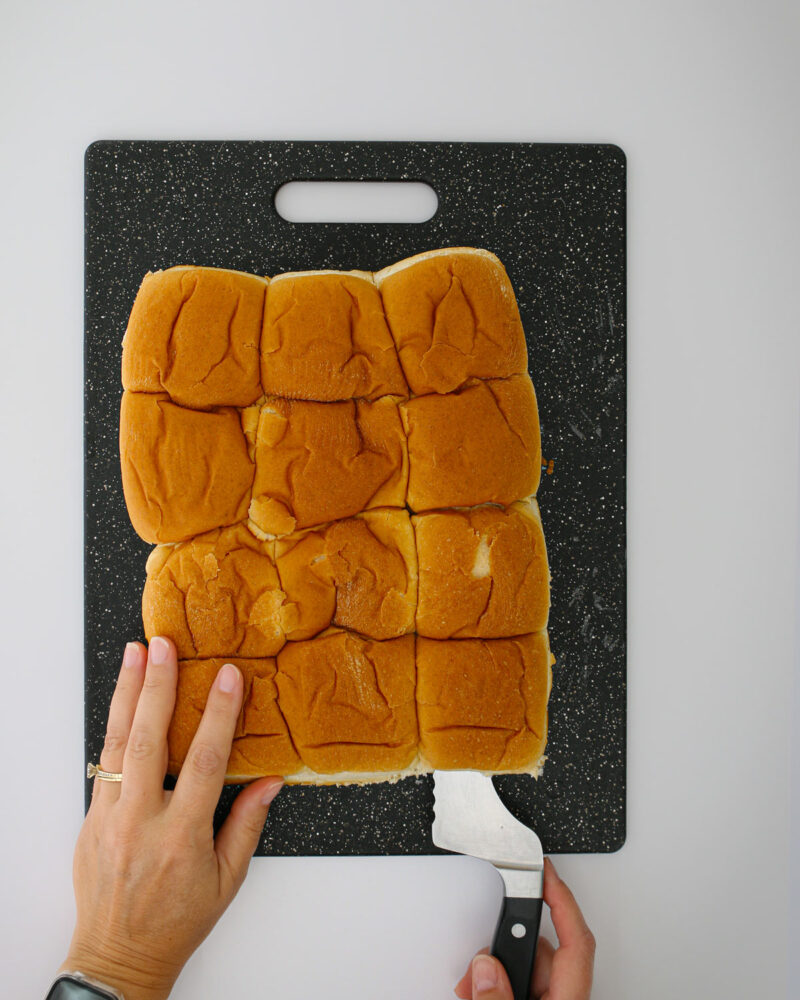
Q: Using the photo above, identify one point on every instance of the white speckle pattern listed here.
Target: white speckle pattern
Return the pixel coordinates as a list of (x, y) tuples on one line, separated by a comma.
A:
[(555, 216)]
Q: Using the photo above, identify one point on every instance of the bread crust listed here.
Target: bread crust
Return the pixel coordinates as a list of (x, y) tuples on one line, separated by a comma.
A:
[(194, 333), (483, 572), (482, 703), (339, 471), (325, 338), (343, 709), (349, 702), (261, 741), (478, 445), (184, 472), (454, 317), (216, 595), (320, 462), (359, 574)]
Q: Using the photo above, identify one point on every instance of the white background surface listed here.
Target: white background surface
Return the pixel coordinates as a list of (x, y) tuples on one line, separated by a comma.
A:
[(702, 96)]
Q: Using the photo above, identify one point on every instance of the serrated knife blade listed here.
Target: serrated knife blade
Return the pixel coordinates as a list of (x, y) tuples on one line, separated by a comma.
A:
[(469, 818)]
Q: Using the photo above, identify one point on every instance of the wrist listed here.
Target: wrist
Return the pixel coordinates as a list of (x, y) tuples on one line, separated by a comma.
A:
[(134, 980)]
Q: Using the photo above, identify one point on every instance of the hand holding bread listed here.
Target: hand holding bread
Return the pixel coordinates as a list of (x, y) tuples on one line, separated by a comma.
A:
[(150, 878), (349, 582)]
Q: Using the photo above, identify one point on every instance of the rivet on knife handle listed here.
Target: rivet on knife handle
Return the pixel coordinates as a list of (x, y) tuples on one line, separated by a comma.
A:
[(515, 941)]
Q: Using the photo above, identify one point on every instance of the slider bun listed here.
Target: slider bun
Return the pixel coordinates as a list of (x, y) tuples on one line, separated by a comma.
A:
[(194, 333), (482, 706), (184, 471), (325, 338), (349, 702), (453, 316), (478, 445), (482, 572), (482, 703), (217, 595), (261, 742), (319, 462), (360, 574), (356, 396)]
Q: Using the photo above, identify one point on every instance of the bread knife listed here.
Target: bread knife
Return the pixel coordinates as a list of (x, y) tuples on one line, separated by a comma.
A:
[(469, 818)]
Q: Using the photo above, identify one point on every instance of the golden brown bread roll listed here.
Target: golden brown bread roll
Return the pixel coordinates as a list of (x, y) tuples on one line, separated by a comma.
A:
[(482, 572), (478, 445), (217, 595), (184, 471), (318, 462), (323, 466), (360, 574), (347, 705), (261, 741), (453, 316), (349, 702), (325, 338), (482, 703), (194, 333)]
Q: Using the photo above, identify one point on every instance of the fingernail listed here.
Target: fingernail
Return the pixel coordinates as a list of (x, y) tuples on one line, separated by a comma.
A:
[(227, 678), (484, 974), (159, 650), (270, 792), (131, 655)]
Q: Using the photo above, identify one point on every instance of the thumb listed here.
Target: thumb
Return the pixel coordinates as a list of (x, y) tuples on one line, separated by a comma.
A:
[(238, 836), (489, 979)]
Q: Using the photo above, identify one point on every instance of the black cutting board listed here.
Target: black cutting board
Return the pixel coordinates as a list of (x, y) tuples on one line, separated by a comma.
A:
[(555, 215)]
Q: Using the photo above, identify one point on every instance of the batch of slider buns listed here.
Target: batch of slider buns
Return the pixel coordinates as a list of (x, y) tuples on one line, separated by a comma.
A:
[(338, 472)]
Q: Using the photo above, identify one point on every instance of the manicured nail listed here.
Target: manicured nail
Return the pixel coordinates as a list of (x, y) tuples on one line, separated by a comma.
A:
[(484, 974), (227, 677), (270, 792), (130, 657), (159, 650)]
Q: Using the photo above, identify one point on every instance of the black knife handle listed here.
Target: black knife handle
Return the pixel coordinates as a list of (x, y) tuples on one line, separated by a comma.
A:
[(515, 949)]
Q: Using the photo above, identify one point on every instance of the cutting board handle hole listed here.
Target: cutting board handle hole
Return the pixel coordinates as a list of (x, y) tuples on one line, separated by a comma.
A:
[(356, 201)]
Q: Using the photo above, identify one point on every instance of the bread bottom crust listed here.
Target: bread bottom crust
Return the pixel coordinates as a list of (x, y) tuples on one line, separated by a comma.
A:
[(416, 769)]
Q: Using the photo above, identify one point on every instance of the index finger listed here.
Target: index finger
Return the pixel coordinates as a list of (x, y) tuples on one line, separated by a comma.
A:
[(573, 962), (202, 775), (571, 928)]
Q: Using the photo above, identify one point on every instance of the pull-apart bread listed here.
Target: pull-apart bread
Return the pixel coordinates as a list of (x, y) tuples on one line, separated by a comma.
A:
[(453, 317), (194, 333), (477, 445), (229, 593), (317, 462), (359, 573), (183, 471), (325, 338), (216, 595), (482, 572), (349, 702), (261, 741), (338, 469), (483, 701)]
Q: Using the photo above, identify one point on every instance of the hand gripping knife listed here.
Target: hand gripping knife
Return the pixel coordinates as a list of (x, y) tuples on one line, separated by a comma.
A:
[(469, 818)]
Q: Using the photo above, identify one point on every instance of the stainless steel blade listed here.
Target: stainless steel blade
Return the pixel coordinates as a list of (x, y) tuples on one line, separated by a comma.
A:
[(469, 818)]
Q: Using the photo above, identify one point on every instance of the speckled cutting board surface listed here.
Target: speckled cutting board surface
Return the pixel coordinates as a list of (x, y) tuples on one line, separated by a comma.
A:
[(555, 216)]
